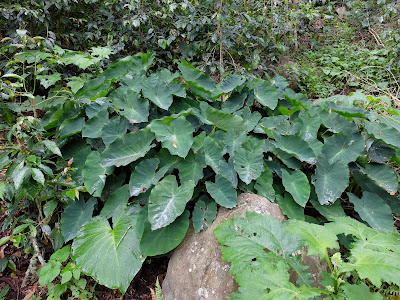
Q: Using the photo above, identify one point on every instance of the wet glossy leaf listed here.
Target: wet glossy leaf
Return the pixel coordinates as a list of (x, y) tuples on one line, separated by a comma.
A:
[(177, 137), (127, 148), (94, 175), (330, 180), (168, 201), (74, 216), (265, 93), (222, 191), (118, 244), (297, 185), (165, 239), (145, 176), (373, 210)]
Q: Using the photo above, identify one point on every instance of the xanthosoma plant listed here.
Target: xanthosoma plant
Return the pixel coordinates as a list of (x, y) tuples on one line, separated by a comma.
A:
[(145, 144)]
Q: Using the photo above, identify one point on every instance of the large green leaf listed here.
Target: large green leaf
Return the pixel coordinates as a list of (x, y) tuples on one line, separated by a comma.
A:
[(204, 213), (346, 146), (127, 148), (70, 127), (213, 154), (225, 121), (384, 133), (159, 89), (330, 180), (290, 208), (245, 241), (231, 82), (264, 184), (118, 246), (360, 291), (113, 129), (309, 126), (297, 185), (250, 119), (265, 93), (380, 152), (330, 212), (79, 151), (94, 175), (145, 176), (165, 239), (249, 160), (270, 123), (93, 127), (222, 191), (369, 185), (19, 175), (130, 105), (196, 78), (336, 123), (317, 237), (296, 146), (168, 201), (234, 102), (116, 201), (191, 168), (377, 266), (177, 137), (75, 215), (383, 175), (373, 210)]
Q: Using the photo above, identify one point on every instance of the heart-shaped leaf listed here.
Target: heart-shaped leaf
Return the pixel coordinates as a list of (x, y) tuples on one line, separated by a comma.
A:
[(167, 201), (225, 121), (249, 160), (290, 208), (384, 133), (373, 210), (119, 245), (204, 213), (191, 168), (297, 185), (165, 239), (117, 200), (127, 148), (177, 137), (93, 127), (130, 105), (145, 175), (383, 175), (296, 146), (113, 129), (345, 146), (74, 216), (196, 78), (159, 88), (94, 176), (265, 93), (330, 180), (264, 184), (222, 191)]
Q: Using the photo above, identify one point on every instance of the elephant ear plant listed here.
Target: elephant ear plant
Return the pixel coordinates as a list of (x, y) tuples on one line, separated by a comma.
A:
[(149, 149)]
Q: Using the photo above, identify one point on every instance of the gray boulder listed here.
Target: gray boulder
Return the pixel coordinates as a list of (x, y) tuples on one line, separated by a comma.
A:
[(196, 270)]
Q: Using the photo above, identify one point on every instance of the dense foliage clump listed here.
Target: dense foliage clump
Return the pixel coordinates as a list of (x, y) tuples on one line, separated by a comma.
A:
[(107, 157)]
